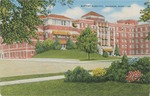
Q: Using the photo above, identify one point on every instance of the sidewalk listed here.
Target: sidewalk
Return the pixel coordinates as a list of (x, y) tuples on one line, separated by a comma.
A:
[(32, 66), (5, 83)]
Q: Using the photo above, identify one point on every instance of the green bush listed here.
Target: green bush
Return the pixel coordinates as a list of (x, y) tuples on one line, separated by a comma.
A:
[(78, 75), (117, 71), (142, 65), (145, 78), (105, 54), (44, 46), (70, 44), (47, 44), (39, 47), (56, 44)]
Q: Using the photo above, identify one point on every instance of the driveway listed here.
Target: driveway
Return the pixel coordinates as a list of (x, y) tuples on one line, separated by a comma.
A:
[(42, 66)]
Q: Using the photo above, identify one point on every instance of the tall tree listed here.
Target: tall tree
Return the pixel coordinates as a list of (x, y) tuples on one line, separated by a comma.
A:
[(70, 44), (125, 59), (87, 41), (117, 51), (145, 17), (56, 44), (18, 18)]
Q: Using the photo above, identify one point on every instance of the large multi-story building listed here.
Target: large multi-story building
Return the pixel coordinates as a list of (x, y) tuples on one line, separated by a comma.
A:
[(126, 34)]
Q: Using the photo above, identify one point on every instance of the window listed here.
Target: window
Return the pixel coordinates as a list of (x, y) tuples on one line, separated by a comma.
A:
[(146, 45), (53, 21), (141, 45), (136, 40), (137, 46), (136, 35), (141, 34)]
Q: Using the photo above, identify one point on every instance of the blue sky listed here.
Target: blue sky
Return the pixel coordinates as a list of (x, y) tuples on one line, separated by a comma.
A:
[(112, 9)]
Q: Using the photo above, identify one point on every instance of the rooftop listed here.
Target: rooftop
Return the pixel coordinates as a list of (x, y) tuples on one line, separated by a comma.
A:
[(93, 14), (55, 16)]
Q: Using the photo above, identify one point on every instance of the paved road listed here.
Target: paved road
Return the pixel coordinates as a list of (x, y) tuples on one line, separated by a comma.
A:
[(42, 66)]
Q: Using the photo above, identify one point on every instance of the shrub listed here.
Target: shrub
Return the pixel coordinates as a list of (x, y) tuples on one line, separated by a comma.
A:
[(125, 59), (47, 44), (78, 75), (105, 54), (56, 44), (143, 65), (39, 47), (117, 71), (99, 72), (70, 44), (133, 76), (145, 78)]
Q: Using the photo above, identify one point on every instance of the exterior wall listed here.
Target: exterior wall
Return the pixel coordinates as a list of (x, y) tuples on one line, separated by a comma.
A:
[(127, 34)]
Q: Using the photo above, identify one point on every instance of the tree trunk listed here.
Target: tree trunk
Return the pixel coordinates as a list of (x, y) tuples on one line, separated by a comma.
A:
[(88, 56)]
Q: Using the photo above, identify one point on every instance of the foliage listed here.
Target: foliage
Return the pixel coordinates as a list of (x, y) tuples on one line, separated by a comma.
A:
[(145, 12), (44, 46), (99, 72), (19, 18), (39, 47), (125, 59), (117, 71), (87, 41), (145, 78), (47, 44), (145, 17), (56, 44), (70, 44), (77, 75), (133, 76), (143, 65), (105, 54), (116, 51)]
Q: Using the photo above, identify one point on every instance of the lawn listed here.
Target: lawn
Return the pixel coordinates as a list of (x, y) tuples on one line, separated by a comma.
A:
[(71, 54), (61, 88)]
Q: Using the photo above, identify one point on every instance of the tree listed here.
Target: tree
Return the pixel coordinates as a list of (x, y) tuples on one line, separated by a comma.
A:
[(39, 47), (18, 18), (145, 17), (125, 59), (70, 44), (87, 41), (56, 44), (117, 51)]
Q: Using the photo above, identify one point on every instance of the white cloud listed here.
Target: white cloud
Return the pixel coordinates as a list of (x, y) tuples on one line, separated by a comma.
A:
[(107, 9), (74, 13), (132, 12)]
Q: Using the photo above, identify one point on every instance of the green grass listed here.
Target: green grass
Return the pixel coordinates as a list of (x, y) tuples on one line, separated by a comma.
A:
[(71, 54), (61, 88), (28, 76)]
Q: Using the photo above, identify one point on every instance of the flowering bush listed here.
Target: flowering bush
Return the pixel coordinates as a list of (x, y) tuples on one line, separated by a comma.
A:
[(99, 72), (133, 76)]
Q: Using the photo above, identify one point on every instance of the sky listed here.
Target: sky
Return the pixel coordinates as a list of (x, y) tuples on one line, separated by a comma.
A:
[(112, 10)]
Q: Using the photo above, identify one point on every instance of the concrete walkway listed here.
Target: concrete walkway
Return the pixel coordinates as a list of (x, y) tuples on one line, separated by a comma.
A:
[(5, 83), (32, 66)]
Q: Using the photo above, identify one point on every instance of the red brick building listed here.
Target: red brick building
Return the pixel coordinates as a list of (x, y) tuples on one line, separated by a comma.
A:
[(127, 34)]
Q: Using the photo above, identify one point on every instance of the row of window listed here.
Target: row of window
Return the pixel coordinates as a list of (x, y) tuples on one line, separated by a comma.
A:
[(136, 46), (132, 34), (129, 29)]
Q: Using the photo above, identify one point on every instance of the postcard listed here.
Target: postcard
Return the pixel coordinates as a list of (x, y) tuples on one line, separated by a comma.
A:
[(74, 47)]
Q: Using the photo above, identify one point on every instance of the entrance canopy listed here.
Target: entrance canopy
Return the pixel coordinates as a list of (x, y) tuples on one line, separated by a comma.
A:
[(107, 49)]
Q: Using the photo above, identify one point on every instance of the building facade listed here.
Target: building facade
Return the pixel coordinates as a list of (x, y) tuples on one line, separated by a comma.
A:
[(128, 35)]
